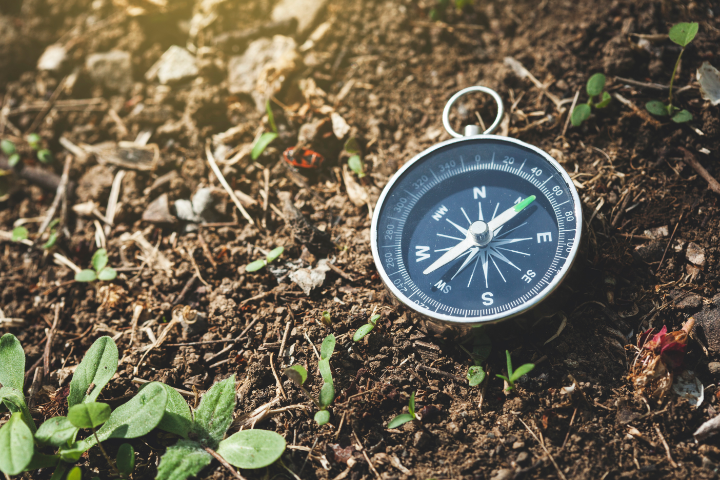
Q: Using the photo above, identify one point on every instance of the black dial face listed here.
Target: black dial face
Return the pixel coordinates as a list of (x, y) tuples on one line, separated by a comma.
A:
[(476, 229)]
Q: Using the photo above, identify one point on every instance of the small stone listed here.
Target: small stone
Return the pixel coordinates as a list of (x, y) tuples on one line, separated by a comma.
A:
[(707, 463), (503, 474), (522, 458), (304, 11), (708, 328), (650, 252), (52, 58), (518, 445), (421, 439), (689, 302), (453, 428), (112, 69), (174, 65), (714, 368), (695, 254), (159, 211), (658, 232)]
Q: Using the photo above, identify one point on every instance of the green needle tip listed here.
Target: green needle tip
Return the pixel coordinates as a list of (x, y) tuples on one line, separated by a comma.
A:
[(520, 206)]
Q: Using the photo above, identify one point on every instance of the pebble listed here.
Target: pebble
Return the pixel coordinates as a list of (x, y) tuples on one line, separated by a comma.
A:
[(650, 252), (304, 11), (690, 302), (503, 474), (522, 458), (518, 445), (708, 326), (695, 254), (112, 69), (174, 65), (714, 368), (52, 58), (421, 439)]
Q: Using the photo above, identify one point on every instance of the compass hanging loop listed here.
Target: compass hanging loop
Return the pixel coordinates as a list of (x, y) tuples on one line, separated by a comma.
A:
[(472, 130)]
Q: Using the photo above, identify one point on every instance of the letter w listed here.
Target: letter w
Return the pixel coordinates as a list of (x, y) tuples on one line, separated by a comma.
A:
[(440, 212)]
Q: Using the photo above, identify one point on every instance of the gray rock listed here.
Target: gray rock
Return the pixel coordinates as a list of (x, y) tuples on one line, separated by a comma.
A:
[(714, 368), (708, 328), (650, 252), (52, 58), (503, 474), (689, 302), (305, 11), (522, 458), (695, 254), (112, 69), (159, 211), (174, 65)]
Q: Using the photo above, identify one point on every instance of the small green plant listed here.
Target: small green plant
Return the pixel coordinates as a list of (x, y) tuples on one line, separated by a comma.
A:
[(52, 238), (298, 375), (100, 269), (326, 319), (19, 234), (354, 162), (266, 138), (262, 262), (9, 149), (481, 351), (34, 140), (594, 88), (681, 34), (361, 332), (403, 418), (514, 375)]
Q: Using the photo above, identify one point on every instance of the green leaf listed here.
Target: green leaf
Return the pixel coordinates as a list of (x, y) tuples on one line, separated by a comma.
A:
[(262, 143), (595, 84), (401, 419), (356, 165), (682, 116), (7, 147), (19, 233), (411, 404), (252, 449), (274, 254), (125, 460), (13, 160), (326, 318), (12, 362), (99, 259), (177, 418), (373, 320), (580, 114), (214, 415), (297, 374), (327, 394), (86, 275), (59, 472), (256, 265), (56, 431), (138, 417), (521, 370), (605, 100), (475, 375), (34, 140), (184, 459), (14, 400), (327, 347), (322, 417), (51, 240), (89, 415), (351, 145), (40, 460), (656, 108), (509, 363), (16, 445), (97, 367), (45, 156), (107, 274), (325, 371), (683, 33), (362, 331), (271, 117), (75, 474)]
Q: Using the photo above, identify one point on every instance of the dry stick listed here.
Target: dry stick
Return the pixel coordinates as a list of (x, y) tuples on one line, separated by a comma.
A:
[(560, 473), (567, 435), (372, 467), (58, 196), (266, 175), (285, 336), (667, 448), (229, 347), (113, 201), (37, 381), (621, 210), (440, 373), (484, 390), (107, 457), (669, 242), (277, 379), (225, 464), (654, 86), (640, 113), (50, 335), (572, 107), (48, 105), (690, 159), (226, 186)]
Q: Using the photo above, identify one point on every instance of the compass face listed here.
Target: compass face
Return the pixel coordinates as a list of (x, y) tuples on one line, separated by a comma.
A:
[(476, 229)]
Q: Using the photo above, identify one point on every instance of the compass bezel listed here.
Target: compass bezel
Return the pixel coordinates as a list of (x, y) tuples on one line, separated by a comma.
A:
[(478, 320)]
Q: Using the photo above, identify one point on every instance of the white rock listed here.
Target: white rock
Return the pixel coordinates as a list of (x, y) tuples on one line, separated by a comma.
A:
[(709, 79), (112, 69), (308, 279), (174, 65), (339, 125), (695, 254), (305, 11), (52, 58)]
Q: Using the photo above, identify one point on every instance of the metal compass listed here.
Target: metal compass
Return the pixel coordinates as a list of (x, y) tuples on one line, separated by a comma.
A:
[(476, 229)]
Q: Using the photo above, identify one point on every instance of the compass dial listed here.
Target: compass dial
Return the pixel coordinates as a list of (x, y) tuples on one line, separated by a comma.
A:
[(477, 229)]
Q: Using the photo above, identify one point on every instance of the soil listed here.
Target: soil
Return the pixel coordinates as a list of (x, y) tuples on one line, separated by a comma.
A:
[(403, 67)]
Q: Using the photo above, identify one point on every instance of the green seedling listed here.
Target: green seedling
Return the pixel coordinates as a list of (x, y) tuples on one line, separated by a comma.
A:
[(481, 351), (262, 262), (19, 234), (9, 149), (326, 319), (100, 269), (34, 140), (594, 88), (125, 459), (45, 156), (298, 375), (354, 162), (266, 138), (681, 34), (52, 238), (514, 375), (361, 332), (403, 418)]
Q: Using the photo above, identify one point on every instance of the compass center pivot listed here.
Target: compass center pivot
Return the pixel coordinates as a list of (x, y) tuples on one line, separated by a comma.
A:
[(480, 233)]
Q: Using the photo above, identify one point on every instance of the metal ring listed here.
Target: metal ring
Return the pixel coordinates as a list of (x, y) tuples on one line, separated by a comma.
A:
[(454, 98)]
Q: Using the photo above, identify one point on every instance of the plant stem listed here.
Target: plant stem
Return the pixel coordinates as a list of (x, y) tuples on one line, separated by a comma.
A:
[(107, 457), (225, 464), (307, 394), (672, 79)]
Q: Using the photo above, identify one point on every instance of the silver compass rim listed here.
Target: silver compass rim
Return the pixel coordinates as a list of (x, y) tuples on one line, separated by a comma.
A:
[(463, 92), (479, 320)]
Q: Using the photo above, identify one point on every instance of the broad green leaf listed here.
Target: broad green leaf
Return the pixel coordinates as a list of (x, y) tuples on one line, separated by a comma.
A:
[(14, 400), (327, 394), (327, 347), (274, 254), (89, 415), (184, 459), (595, 84), (252, 448), (52, 239), (521, 370), (214, 415), (271, 117), (475, 375), (125, 460), (351, 145), (96, 368), (7, 147), (34, 140), (19, 233), (56, 431), (325, 371), (682, 116), (362, 331), (13, 160), (107, 274), (605, 101), (322, 417), (16, 445), (656, 107), (262, 143), (177, 418), (40, 460), (256, 265), (509, 363), (411, 404), (580, 114), (12, 362), (356, 165), (401, 419), (137, 417), (86, 275), (75, 474), (683, 33), (45, 156), (99, 259), (297, 374)]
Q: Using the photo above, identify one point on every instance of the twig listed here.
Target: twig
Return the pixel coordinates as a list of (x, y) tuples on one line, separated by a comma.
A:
[(107, 457), (256, 297), (37, 381), (48, 105), (312, 345), (175, 320), (572, 108), (440, 373), (229, 347), (640, 113), (50, 335), (58, 196), (137, 311), (367, 459), (340, 272), (207, 342), (308, 456), (225, 464), (226, 186), (542, 445), (484, 389), (669, 242), (113, 201), (667, 448), (277, 379), (654, 86), (690, 159), (635, 237), (285, 336), (567, 435), (63, 260), (621, 210)]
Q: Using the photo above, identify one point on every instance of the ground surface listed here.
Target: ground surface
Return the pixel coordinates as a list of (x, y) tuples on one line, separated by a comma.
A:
[(387, 70)]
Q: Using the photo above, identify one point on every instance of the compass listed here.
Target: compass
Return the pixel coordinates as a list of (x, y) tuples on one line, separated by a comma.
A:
[(476, 229)]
